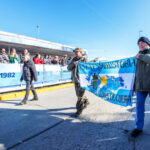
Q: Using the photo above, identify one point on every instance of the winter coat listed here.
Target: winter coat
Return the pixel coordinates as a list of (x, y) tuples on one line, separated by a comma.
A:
[(2, 59), (55, 62), (13, 60), (74, 69), (36, 60), (29, 71), (142, 74)]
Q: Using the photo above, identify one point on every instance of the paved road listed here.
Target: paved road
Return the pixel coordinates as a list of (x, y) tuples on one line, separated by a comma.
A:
[(48, 125)]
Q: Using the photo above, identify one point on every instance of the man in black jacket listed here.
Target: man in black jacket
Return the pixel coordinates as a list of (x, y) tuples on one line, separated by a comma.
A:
[(142, 83), (29, 74)]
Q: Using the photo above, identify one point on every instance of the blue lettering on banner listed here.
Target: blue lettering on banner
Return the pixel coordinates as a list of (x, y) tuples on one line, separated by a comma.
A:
[(112, 81), (11, 77), (7, 75)]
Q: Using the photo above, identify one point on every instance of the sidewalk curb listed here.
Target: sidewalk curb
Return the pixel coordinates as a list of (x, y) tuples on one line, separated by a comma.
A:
[(11, 95)]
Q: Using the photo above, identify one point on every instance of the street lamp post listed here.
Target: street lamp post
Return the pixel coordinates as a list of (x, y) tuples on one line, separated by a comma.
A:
[(38, 31), (140, 33)]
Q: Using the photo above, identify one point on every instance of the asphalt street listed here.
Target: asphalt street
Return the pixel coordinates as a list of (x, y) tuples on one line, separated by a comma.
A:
[(48, 124)]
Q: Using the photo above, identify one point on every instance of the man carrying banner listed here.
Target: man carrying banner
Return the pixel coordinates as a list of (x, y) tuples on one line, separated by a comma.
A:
[(82, 101), (29, 73), (142, 83)]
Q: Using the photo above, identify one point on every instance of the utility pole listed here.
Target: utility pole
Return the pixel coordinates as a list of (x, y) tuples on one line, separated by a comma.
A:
[(38, 31), (140, 33)]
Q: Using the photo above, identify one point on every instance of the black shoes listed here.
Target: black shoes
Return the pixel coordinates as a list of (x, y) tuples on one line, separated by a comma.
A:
[(23, 102), (35, 99), (78, 113), (135, 133), (80, 106), (86, 104)]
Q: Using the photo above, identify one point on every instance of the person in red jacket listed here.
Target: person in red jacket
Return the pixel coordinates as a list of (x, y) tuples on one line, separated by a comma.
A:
[(37, 59), (41, 61)]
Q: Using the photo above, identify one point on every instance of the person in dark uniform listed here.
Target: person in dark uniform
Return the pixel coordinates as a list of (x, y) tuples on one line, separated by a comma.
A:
[(29, 74), (82, 100)]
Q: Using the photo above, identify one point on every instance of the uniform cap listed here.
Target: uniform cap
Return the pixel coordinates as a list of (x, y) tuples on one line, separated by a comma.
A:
[(78, 49)]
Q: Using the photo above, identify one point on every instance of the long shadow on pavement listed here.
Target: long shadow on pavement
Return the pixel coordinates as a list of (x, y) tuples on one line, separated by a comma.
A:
[(25, 129)]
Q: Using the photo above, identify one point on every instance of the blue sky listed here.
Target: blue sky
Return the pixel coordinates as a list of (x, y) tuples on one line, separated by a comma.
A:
[(106, 28)]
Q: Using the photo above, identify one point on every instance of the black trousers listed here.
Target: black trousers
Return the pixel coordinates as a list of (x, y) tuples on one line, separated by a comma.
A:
[(29, 86)]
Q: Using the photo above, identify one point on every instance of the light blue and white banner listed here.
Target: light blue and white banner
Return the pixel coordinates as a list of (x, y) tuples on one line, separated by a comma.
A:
[(52, 73), (113, 81), (10, 75), (65, 74), (40, 73)]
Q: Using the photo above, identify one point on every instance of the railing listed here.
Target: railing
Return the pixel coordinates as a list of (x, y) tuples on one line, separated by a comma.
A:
[(47, 75)]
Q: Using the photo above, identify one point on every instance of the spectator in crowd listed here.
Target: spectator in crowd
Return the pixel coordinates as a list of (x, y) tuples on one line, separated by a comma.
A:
[(25, 52), (29, 74), (13, 57), (142, 83), (46, 59), (50, 59), (69, 60), (61, 61), (55, 60), (65, 60), (41, 60), (3, 56), (37, 59)]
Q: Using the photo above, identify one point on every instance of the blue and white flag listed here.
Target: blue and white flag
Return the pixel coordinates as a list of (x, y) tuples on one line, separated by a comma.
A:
[(113, 81)]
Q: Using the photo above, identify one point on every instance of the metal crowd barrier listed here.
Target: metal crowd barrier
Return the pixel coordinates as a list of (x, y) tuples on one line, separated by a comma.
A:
[(47, 75)]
